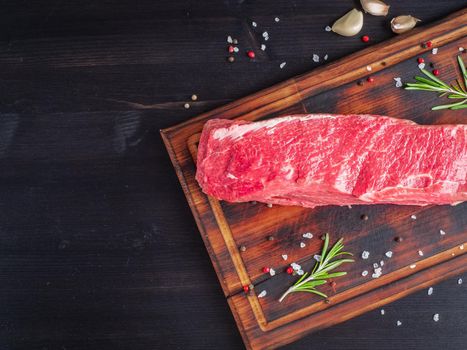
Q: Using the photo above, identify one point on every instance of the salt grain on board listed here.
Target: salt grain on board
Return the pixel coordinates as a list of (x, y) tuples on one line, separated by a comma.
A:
[(365, 254), (308, 235), (284, 256), (315, 58), (300, 272), (272, 272), (262, 294), (399, 323), (430, 291), (420, 253), (461, 49), (263, 47), (436, 317), (368, 68), (282, 65), (383, 312), (434, 51), (421, 65), (413, 217), (326, 57), (328, 28), (365, 273), (276, 19), (442, 233), (388, 254), (265, 34), (229, 39), (398, 82), (254, 24), (295, 266), (269, 205), (413, 266), (302, 245), (461, 247), (317, 258), (459, 281), (375, 265), (381, 263)]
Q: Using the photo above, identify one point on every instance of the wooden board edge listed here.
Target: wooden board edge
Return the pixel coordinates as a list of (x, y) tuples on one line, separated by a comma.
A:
[(194, 209), (257, 339)]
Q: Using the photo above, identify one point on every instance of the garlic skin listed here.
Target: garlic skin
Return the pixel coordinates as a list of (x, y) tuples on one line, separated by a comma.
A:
[(402, 24), (375, 7), (350, 24)]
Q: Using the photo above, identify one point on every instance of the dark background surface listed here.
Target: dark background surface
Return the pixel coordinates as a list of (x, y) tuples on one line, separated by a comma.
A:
[(98, 248)]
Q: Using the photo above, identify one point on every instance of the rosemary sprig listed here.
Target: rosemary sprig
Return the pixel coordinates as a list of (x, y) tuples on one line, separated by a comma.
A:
[(322, 270), (437, 85)]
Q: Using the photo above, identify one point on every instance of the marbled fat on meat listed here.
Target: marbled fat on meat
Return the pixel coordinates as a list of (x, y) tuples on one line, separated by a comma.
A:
[(322, 159)]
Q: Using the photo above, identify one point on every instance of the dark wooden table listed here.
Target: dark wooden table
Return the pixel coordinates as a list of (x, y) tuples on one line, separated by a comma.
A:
[(98, 249)]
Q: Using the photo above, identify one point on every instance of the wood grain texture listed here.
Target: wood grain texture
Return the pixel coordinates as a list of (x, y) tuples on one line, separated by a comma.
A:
[(99, 249), (424, 257)]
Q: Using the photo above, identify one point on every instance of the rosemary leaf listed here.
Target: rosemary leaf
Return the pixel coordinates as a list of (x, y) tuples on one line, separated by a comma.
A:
[(320, 272)]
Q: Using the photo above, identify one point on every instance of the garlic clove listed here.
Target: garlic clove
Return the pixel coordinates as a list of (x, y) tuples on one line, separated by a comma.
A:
[(350, 24), (375, 7), (402, 24)]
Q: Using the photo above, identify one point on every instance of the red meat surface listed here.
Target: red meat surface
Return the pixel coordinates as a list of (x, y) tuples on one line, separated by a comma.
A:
[(322, 159)]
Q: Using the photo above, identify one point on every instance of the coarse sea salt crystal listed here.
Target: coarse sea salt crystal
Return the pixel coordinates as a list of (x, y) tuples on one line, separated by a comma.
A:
[(263, 47), (315, 58), (254, 24), (265, 34), (381, 263), (413, 217), (229, 39), (302, 245), (272, 272), (461, 49), (328, 28), (282, 65), (421, 65), (459, 281), (295, 266), (276, 19), (398, 323), (269, 205), (365, 254), (398, 82), (434, 51), (284, 256), (420, 253), (325, 57), (413, 266), (236, 49), (436, 317), (262, 294), (300, 272), (375, 265), (368, 68), (382, 312), (365, 273), (430, 291), (442, 233), (461, 247), (388, 254), (308, 235)]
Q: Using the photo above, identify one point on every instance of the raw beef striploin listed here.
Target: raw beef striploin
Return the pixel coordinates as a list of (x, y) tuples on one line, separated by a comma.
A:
[(322, 159)]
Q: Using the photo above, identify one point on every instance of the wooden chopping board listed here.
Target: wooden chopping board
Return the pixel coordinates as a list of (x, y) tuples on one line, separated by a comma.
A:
[(433, 237)]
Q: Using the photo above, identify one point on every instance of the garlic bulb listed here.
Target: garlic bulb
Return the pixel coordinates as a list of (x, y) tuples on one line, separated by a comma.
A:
[(375, 7), (350, 24), (402, 24)]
